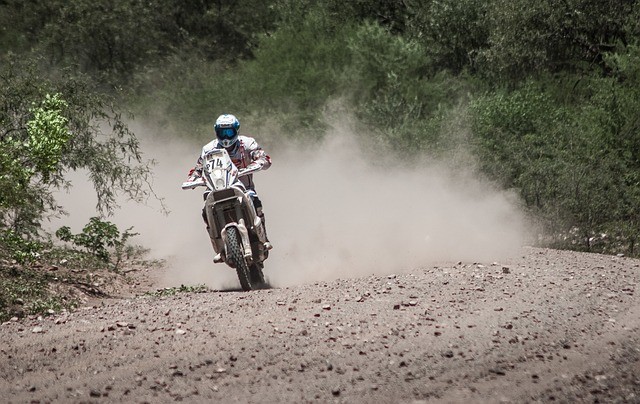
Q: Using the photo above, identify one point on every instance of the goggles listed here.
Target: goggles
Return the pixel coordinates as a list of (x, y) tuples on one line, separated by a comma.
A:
[(226, 133)]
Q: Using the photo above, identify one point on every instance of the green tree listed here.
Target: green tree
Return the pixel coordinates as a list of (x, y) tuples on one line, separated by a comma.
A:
[(575, 165), (452, 32), (113, 40), (390, 14), (48, 134), (572, 36), (47, 129)]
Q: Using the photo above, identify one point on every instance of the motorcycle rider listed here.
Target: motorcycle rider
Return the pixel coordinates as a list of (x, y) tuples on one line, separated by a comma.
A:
[(245, 153)]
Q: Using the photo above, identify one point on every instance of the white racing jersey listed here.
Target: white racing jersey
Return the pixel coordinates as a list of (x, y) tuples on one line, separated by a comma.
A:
[(247, 151)]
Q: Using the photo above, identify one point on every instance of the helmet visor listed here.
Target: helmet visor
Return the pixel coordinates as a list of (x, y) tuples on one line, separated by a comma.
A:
[(226, 133)]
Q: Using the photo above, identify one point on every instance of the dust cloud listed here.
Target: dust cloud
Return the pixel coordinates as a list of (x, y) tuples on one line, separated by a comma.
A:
[(332, 211), (337, 212)]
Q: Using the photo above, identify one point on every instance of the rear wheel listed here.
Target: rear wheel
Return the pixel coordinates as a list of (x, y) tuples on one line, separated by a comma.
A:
[(235, 254)]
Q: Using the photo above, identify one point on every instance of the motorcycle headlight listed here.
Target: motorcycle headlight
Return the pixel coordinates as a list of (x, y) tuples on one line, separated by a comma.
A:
[(219, 183), (217, 173)]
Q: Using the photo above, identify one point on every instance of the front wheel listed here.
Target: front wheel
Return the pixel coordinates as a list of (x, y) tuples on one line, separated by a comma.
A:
[(236, 256), (257, 277)]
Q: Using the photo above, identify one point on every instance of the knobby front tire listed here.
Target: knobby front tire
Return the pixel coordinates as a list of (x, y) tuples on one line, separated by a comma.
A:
[(235, 254)]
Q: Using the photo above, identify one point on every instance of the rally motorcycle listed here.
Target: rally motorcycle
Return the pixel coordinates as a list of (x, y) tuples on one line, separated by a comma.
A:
[(236, 231)]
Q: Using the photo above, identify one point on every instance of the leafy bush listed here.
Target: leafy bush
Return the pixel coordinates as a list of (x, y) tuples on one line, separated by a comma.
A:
[(17, 248), (25, 291), (98, 237)]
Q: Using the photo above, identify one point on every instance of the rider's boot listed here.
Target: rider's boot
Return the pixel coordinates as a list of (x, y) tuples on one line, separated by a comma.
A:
[(267, 244), (218, 257)]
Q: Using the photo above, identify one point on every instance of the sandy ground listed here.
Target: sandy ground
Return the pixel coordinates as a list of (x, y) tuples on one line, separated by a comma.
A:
[(545, 326)]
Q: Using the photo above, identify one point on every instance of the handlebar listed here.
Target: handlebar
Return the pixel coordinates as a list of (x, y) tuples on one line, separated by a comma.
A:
[(194, 184), (200, 182)]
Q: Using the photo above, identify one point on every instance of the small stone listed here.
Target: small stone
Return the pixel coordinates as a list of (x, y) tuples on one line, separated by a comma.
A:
[(37, 330), (180, 331), (448, 354)]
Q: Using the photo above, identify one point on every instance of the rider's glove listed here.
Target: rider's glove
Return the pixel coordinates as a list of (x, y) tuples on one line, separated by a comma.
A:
[(193, 175)]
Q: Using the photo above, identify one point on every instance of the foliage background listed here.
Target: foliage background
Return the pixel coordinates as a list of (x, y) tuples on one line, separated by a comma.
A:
[(545, 95)]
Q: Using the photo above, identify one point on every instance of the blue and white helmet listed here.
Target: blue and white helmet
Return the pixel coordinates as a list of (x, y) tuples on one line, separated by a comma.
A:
[(227, 128)]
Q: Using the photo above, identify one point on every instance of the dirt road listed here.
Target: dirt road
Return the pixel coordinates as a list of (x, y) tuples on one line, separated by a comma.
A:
[(545, 326)]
